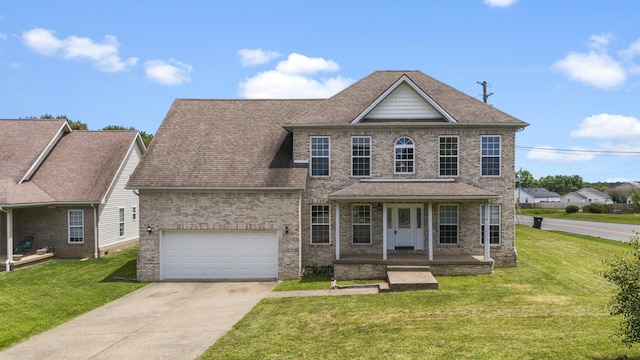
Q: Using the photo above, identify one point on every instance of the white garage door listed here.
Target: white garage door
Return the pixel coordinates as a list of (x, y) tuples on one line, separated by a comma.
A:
[(218, 255)]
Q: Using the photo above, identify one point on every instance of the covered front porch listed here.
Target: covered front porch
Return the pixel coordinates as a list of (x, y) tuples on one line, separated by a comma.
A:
[(418, 225)]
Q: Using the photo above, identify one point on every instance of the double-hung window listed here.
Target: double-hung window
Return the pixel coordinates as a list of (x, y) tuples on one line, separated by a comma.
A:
[(320, 224), (76, 226), (448, 224), (494, 224), (361, 224), (319, 156), (491, 153), (360, 156), (121, 221), (404, 156), (448, 157)]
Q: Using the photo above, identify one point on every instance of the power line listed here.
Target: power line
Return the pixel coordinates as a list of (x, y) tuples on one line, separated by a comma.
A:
[(573, 151), (485, 96)]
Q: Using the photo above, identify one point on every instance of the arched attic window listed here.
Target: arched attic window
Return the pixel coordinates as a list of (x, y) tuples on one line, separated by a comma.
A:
[(404, 156)]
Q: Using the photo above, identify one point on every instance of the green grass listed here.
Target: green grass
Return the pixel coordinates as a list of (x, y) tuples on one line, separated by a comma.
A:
[(40, 297), (552, 306), (317, 283), (633, 219)]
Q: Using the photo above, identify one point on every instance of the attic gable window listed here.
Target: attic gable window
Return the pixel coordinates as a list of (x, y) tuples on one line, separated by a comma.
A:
[(319, 156), (404, 156)]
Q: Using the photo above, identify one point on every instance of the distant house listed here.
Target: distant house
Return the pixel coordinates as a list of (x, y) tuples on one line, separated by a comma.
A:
[(587, 196), (625, 190), (64, 189), (535, 195)]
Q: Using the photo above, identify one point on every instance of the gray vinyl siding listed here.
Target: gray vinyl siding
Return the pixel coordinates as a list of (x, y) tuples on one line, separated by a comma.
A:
[(119, 197)]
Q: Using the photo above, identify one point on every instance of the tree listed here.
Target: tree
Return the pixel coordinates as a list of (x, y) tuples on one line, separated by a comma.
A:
[(625, 274), (562, 184), (616, 197), (75, 125), (524, 179), (635, 199), (146, 138)]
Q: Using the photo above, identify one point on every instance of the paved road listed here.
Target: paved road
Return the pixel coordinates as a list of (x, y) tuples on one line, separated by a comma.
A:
[(159, 321), (620, 232)]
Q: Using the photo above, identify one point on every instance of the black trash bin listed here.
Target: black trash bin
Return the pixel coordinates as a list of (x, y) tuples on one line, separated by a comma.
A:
[(537, 222)]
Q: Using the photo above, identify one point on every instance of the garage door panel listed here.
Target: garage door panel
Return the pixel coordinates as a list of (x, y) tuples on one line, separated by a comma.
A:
[(219, 255)]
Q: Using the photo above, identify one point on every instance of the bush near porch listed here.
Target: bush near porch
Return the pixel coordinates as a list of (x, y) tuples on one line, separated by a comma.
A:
[(552, 306)]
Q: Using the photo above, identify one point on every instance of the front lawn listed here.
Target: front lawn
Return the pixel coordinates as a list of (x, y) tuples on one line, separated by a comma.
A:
[(552, 306), (40, 297)]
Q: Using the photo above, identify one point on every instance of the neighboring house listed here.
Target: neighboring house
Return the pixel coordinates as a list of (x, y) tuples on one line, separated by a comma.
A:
[(396, 165), (66, 189), (625, 190), (535, 195), (587, 196)]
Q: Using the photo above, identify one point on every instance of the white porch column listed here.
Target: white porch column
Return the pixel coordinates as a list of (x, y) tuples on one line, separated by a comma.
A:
[(9, 239), (430, 229), (337, 231), (384, 231), (487, 241)]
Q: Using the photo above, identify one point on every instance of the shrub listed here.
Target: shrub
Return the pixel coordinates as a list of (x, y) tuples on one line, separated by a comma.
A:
[(596, 208), (572, 209)]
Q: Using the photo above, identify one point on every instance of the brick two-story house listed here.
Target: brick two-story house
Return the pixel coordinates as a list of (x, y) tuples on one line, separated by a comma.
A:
[(398, 165)]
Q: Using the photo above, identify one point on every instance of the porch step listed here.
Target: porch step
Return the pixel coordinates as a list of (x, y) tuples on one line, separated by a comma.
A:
[(411, 279), (408, 268)]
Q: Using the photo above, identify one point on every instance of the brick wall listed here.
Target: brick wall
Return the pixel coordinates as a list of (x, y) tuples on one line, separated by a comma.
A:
[(426, 167), (182, 210), (49, 227)]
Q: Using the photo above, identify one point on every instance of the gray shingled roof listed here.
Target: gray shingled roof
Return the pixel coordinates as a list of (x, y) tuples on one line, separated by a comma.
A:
[(223, 144), (79, 168), (345, 106), (427, 190), (540, 192)]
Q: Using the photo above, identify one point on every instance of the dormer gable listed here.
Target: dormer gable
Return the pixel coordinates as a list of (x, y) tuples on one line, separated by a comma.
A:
[(404, 101)]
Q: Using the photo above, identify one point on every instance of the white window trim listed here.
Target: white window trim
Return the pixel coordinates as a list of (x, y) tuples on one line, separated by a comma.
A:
[(311, 157), (369, 223), (395, 160), (69, 226), (362, 157), (121, 222), (499, 223), (311, 224), (457, 225), (499, 156), (457, 156)]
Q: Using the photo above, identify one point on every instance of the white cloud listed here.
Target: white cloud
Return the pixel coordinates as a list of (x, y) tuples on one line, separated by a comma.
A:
[(499, 3), (549, 154), (292, 78), (631, 51), (250, 57), (595, 69), (300, 64), (607, 126), (105, 56), (3, 36), (172, 72)]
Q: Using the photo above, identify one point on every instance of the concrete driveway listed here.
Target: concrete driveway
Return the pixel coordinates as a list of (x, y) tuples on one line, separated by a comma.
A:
[(158, 321)]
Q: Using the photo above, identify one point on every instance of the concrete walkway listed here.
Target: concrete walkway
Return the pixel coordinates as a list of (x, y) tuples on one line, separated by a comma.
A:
[(158, 321)]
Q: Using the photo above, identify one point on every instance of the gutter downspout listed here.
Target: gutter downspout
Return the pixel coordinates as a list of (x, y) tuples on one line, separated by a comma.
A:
[(95, 231), (9, 213), (299, 233)]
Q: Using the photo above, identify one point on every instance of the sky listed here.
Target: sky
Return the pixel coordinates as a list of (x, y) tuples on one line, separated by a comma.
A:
[(571, 69)]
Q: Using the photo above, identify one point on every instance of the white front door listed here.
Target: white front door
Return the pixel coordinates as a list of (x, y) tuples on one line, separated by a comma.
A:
[(405, 226)]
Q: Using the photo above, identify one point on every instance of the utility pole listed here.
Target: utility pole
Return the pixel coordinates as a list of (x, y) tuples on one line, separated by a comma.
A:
[(485, 96)]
